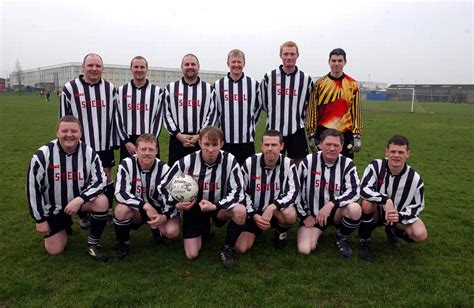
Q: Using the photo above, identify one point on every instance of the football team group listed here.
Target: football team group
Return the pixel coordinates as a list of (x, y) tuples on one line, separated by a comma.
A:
[(304, 173)]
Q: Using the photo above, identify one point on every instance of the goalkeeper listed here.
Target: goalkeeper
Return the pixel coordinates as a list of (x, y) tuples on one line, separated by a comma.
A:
[(335, 103)]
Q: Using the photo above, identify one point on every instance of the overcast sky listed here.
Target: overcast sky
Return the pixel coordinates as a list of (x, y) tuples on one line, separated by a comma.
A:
[(393, 42)]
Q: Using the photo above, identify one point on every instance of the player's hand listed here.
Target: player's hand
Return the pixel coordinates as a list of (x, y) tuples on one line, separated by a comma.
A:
[(261, 222), (131, 148), (207, 206), (74, 206), (157, 220), (313, 143), (186, 140), (185, 205), (391, 214), (309, 221), (43, 228), (150, 211), (357, 143), (268, 213), (322, 217), (194, 140)]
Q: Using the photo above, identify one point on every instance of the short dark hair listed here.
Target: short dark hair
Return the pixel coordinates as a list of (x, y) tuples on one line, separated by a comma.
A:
[(338, 52), (273, 133), (139, 58), (398, 140), (69, 119), (212, 133), (90, 55), (190, 55), (333, 133), (146, 138)]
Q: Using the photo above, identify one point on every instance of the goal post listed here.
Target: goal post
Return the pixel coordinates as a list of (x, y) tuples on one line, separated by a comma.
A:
[(410, 93)]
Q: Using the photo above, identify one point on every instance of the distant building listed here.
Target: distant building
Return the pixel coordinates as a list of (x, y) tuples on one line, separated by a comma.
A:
[(452, 93), (55, 76), (2, 85)]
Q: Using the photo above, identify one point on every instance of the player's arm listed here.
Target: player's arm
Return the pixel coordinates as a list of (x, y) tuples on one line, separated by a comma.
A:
[(157, 120), (124, 191), (210, 115), (120, 127), (415, 203), (168, 118), (264, 93), (369, 184), (97, 179), (356, 111), (352, 192), (236, 184), (34, 188), (290, 187), (302, 204), (65, 103)]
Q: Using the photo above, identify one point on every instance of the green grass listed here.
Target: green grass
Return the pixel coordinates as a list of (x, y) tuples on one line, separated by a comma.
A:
[(438, 272)]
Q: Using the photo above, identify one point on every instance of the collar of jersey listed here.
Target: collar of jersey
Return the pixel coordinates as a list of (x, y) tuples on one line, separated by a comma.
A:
[(81, 77), (262, 163), (190, 84), (66, 153), (405, 167), (140, 167), (290, 74), (334, 78), (241, 77), (134, 86), (327, 165), (218, 159)]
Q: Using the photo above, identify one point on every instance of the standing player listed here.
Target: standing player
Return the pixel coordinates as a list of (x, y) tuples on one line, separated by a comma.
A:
[(238, 105), (189, 107), (65, 177), (285, 93), (220, 194), (335, 103), (393, 194), (139, 199), (271, 186), (329, 194), (91, 100), (139, 105)]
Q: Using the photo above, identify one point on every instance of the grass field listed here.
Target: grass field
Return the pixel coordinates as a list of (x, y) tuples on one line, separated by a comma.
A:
[(438, 272)]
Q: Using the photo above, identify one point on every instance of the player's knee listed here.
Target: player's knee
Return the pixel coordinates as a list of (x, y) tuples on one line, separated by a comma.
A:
[(54, 249), (367, 207), (239, 214), (304, 248), (121, 212), (172, 231), (240, 248), (100, 204), (420, 236), (289, 215), (191, 255)]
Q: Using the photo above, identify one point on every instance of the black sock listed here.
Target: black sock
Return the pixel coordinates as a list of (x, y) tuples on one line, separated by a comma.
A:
[(347, 226), (233, 233), (402, 234), (282, 228), (109, 193), (98, 222), (366, 226), (122, 230), (82, 214)]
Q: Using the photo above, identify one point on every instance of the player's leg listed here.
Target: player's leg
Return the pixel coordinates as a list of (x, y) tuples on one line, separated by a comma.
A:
[(124, 217), (296, 145), (414, 232), (285, 220), (247, 238), (347, 219), (367, 224), (98, 210), (236, 216), (56, 241), (170, 229), (193, 224), (192, 246), (108, 162), (307, 239)]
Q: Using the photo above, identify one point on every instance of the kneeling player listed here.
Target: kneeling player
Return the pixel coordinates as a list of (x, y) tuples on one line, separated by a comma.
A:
[(329, 194), (220, 194), (271, 186), (139, 199), (66, 177), (392, 195)]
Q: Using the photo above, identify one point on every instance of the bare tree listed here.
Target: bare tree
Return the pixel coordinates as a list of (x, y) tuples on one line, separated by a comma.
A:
[(19, 74)]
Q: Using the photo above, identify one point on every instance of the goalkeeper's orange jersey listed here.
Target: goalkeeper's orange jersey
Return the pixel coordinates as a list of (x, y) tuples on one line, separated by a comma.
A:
[(335, 103)]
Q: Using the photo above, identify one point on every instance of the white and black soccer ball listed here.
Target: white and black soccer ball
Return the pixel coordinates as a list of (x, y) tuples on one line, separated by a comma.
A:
[(184, 188)]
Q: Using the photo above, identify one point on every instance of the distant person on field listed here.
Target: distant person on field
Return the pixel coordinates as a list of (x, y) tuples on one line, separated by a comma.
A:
[(393, 196), (238, 105), (65, 177), (139, 200), (139, 105), (48, 94), (285, 93), (272, 187), (329, 195), (220, 196), (335, 103)]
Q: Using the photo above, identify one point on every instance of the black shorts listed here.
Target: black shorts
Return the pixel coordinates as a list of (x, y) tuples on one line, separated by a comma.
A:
[(107, 158), (196, 223), (348, 140), (296, 145), (251, 226), (178, 151), (133, 139), (330, 221), (57, 223), (241, 151)]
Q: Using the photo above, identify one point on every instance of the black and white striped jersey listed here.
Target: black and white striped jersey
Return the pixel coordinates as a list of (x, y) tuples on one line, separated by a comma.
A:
[(140, 109), (189, 107), (135, 187), (406, 189), (321, 183), (220, 183), (238, 106), (55, 178), (263, 186), (285, 99), (94, 105)]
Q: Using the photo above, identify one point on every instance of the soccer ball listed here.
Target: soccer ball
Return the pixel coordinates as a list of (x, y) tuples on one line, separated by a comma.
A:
[(184, 188)]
